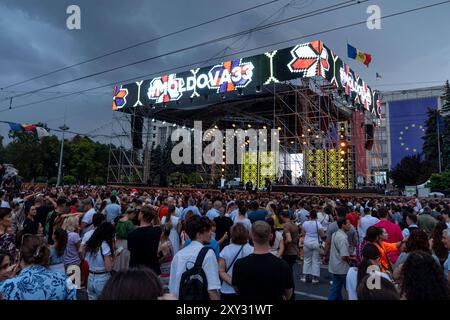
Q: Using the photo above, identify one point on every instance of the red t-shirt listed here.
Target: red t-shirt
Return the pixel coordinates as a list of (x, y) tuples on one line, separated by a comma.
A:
[(353, 218)]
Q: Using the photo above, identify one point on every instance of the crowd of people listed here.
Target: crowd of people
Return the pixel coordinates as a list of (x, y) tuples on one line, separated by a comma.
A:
[(118, 244)]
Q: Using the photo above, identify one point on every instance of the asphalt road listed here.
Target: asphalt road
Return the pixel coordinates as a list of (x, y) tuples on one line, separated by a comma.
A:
[(309, 291)]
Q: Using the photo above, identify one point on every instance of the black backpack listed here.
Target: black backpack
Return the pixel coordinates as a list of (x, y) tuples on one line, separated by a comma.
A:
[(194, 284)]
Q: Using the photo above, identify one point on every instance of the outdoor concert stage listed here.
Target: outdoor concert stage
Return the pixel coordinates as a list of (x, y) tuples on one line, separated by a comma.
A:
[(324, 114), (321, 190)]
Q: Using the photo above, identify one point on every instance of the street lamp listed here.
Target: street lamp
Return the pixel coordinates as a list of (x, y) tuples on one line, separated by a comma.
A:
[(64, 128)]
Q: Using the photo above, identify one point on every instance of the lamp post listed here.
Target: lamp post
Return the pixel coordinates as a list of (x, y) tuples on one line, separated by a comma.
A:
[(64, 128)]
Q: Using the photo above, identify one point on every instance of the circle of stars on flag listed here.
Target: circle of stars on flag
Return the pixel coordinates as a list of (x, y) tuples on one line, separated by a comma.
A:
[(400, 138)]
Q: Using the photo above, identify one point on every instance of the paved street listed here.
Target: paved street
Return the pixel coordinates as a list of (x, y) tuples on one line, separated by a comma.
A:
[(309, 291)]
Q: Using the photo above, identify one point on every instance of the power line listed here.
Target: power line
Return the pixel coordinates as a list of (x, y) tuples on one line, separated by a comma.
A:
[(243, 51), (140, 44), (270, 25)]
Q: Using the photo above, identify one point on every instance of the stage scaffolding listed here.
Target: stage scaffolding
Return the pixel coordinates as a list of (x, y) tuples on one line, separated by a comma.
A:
[(128, 164), (303, 112), (309, 119)]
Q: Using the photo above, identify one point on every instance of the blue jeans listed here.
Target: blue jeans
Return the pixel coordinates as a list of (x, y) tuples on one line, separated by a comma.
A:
[(336, 287), (96, 283)]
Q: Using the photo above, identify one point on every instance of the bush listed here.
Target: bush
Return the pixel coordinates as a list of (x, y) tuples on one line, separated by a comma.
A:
[(69, 180), (98, 181), (52, 181)]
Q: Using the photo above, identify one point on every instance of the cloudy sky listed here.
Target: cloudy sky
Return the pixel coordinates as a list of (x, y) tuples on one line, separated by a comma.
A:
[(409, 51)]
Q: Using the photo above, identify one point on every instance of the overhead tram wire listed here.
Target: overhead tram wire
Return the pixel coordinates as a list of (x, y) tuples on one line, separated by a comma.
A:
[(140, 44), (228, 55), (328, 9)]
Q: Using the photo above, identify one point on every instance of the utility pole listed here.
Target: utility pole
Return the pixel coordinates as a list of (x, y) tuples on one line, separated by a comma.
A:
[(64, 128), (439, 140)]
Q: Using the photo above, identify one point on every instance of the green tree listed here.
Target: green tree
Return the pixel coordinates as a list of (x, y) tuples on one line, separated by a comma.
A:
[(440, 182), (430, 143), (411, 170), (445, 132), (2, 150)]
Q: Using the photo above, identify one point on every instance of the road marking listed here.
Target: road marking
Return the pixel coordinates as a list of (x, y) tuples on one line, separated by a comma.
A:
[(315, 296)]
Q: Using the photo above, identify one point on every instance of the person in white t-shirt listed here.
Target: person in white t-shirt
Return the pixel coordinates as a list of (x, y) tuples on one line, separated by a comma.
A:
[(366, 222), (100, 258), (237, 249), (198, 229), (89, 211)]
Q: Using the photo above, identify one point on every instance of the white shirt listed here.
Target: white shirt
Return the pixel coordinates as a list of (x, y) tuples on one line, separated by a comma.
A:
[(87, 218), (366, 222), (178, 211), (246, 222), (234, 214), (212, 214), (406, 232), (173, 235), (324, 220), (185, 259), (276, 243), (352, 279), (4, 204), (96, 261), (87, 236), (312, 231), (228, 254)]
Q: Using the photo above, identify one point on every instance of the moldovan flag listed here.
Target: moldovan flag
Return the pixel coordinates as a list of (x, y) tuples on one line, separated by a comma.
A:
[(354, 53), (41, 132)]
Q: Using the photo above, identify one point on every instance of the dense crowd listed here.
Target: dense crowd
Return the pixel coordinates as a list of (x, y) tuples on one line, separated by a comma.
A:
[(118, 244)]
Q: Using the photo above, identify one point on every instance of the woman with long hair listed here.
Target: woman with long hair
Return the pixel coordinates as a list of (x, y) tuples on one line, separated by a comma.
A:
[(378, 237), (170, 222), (58, 249), (436, 243), (422, 278), (35, 281), (5, 266), (237, 249), (370, 264), (99, 254), (417, 241), (276, 240), (165, 255)]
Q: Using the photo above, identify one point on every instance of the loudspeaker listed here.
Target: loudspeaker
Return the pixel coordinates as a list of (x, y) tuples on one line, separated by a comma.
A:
[(137, 124), (369, 136)]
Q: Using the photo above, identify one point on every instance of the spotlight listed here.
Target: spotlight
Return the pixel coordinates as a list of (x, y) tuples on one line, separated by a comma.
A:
[(343, 144), (279, 128), (184, 127), (174, 125), (215, 127), (249, 125), (292, 142), (309, 130), (233, 125), (342, 152), (264, 127), (163, 122), (153, 120)]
